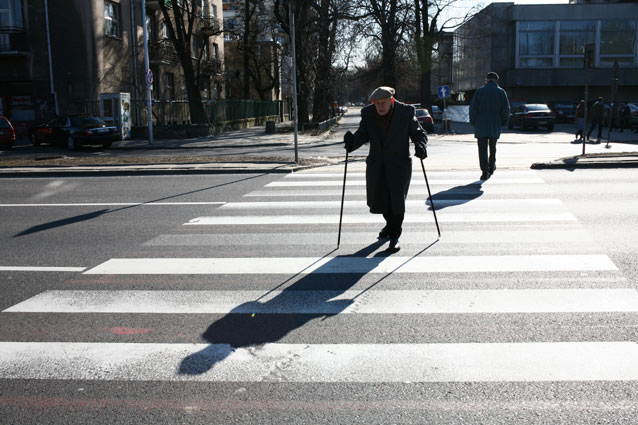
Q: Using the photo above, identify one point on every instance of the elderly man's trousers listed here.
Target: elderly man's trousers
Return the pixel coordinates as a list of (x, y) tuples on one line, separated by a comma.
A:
[(393, 224), (487, 163)]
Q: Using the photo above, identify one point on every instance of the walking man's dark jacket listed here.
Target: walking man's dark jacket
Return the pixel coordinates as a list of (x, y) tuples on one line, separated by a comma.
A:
[(389, 163), (489, 111)]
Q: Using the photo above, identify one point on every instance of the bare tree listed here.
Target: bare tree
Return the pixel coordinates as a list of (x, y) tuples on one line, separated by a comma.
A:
[(184, 25), (430, 27)]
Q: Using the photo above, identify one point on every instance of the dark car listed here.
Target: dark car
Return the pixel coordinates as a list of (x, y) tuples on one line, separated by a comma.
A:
[(532, 115), (565, 111), (7, 133), (425, 119), (74, 131)]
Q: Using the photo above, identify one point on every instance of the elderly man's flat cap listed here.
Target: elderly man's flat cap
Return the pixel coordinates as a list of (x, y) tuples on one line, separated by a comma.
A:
[(381, 93)]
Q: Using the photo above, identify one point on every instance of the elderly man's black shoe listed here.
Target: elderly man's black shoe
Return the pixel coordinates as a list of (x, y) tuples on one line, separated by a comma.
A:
[(394, 245), (384, 233)]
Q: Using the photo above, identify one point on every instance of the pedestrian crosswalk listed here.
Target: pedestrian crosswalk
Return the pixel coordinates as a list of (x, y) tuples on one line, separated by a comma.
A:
[(262, 269)]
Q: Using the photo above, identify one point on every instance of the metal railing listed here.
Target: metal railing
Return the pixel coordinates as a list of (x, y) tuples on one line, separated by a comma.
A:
[(319, 127)]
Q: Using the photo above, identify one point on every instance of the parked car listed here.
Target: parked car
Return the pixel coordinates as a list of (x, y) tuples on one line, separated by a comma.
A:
[(437, 113), (565, 111), (425, 119), (7, 133), (74, 131), (532, 115), (631, 120)]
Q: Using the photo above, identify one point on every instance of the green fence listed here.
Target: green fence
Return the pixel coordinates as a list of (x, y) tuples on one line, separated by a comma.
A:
[(176, 112)]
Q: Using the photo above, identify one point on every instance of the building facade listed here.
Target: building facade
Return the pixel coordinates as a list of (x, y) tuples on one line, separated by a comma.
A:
[(539, 50), (89, 47)]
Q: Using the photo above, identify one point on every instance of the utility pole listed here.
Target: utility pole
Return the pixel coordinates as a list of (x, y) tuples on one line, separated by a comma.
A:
[(55, 98), (148, 76), (613, 109)]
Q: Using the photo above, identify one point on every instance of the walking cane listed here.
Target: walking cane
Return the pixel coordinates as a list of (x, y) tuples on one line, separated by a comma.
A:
[(430, 195), (343, 194)]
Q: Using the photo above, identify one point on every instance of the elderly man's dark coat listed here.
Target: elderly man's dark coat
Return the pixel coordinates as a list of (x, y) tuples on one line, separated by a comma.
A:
[(389, 164)]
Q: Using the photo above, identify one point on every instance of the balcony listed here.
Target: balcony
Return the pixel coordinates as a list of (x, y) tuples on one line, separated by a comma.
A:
[(13, 41), (210, 67), (161, 52), (211, 26)]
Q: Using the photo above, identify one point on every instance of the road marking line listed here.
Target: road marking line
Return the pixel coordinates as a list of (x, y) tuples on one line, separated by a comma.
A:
[(466, 362), (114, 204), (357, 265), (40, 269), (333, 302)]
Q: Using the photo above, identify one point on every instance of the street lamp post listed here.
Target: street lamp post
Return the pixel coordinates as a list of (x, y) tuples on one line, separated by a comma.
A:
[(294, 75)]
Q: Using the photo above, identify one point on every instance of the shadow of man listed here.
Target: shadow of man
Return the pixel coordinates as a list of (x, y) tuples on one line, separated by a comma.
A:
[(255, 323), (458, 195)]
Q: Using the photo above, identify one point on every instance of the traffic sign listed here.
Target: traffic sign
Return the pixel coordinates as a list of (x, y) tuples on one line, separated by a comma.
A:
[(443, 91), (149, 77)]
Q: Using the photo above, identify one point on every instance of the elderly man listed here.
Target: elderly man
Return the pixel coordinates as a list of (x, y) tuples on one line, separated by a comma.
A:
[(489, 111), (388, 125)]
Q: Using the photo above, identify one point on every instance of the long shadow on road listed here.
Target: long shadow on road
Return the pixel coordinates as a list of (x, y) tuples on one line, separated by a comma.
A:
[(240, 328)]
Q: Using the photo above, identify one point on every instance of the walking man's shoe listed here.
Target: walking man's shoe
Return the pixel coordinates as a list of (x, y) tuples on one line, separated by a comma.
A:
[(485, 175), (492, 169), (384, 233), (394, 245)]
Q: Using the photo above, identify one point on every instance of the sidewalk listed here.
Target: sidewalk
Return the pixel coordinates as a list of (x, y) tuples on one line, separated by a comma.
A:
[(253, 150)]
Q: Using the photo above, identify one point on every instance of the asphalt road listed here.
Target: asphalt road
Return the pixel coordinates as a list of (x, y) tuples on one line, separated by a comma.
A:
[(313, 349)]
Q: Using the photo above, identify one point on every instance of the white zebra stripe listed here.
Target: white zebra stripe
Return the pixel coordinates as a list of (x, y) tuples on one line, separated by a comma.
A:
[(333, 302), (295, 265), (322, 363), (425, 217)]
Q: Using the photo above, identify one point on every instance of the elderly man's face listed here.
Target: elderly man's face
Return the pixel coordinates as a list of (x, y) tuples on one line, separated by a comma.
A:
[(383, 105)]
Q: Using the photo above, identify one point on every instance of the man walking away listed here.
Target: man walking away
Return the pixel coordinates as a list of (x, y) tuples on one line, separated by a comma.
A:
[(489, 111), (597, 117), (388, 125)]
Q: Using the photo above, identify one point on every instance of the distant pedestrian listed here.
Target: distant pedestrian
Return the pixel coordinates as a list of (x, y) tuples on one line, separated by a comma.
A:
[(388, 125), (489, 111), (580, 120), (623, 116), (597, 118)]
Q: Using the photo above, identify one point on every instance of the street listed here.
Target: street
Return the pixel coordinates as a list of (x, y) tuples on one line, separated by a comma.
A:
[(223, 299)]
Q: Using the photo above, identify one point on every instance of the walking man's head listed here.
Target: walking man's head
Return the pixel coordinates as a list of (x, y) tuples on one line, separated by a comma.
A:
[(383, 99), (492, 76)]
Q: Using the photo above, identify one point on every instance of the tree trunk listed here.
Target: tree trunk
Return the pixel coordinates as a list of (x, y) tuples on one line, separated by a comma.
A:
[(323, 92)]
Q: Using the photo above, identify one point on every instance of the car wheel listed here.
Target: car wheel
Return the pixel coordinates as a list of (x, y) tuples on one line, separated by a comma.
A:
[(510, 125), (34, 140), (107, 144), (550, 128), (71, 144)]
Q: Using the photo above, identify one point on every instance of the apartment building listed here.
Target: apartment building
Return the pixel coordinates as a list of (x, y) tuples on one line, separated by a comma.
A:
[(64, 59), (538, 50)]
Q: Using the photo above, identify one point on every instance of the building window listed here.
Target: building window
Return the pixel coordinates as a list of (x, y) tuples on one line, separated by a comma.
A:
[(573, 36), (214, 11), (112, 19), (617, 42), (150, 31), (164, 31), (215, 51), (536, 44), (194, 48)]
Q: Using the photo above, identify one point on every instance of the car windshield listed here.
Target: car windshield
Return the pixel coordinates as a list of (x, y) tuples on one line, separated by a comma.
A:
[(79, 121), (422, 112), (563, 106), (537, 107)]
